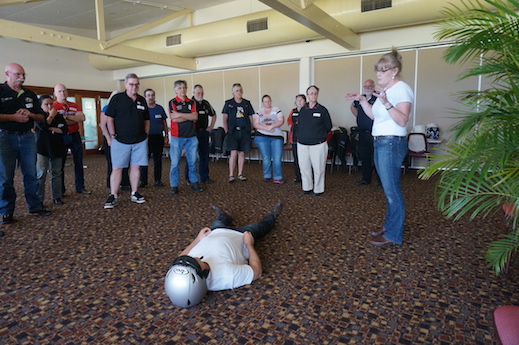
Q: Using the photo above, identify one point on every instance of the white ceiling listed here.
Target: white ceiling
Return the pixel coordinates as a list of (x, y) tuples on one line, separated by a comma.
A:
[(80, 14)]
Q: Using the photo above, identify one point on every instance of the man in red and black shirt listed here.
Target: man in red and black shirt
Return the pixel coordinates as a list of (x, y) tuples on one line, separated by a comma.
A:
[(183, 114), (73, 115)]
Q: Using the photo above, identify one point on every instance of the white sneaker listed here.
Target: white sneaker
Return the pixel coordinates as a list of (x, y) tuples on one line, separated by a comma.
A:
[(138, 198)]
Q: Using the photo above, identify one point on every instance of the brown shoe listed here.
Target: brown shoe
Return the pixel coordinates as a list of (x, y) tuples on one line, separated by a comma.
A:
[(378, 232), (380, 241)]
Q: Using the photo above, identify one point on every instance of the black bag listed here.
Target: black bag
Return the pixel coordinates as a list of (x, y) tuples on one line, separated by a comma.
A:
[(217, 136)]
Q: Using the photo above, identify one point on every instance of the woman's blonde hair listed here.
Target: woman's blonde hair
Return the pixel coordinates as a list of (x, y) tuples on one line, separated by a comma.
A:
[(390, 60)]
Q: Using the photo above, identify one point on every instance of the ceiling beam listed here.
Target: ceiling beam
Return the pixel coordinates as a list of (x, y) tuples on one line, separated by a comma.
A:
[(143, 28), (311, 16), (60, 39), (15, 2), (100, 20)]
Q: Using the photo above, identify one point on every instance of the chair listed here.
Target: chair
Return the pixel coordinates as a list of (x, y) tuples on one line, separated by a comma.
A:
[(506, 319), (416, 148)]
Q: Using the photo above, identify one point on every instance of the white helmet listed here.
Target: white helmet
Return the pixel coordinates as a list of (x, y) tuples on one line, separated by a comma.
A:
[(185, 282)]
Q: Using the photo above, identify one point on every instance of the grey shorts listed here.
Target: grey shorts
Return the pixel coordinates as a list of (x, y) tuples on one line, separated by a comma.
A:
[(124, 155)]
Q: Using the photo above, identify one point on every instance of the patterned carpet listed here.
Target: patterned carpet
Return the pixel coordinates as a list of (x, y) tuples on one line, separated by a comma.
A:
[(86, 275)]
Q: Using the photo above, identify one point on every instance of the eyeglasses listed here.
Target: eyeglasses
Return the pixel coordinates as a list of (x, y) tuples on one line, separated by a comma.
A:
[(132, 85), (383, 70)]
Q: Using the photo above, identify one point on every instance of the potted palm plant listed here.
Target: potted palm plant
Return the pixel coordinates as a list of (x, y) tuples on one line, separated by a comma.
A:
[(479, 167)]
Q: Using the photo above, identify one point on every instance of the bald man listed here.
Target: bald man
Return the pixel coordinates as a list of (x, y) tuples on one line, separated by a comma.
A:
[(73, 115), (19, 109)]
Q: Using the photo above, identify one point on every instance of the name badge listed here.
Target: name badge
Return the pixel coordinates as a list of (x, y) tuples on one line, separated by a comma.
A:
[(72, 109), (201, 112), (317, 114), (158, 116), (140, 107), (295, 114), (28, 105)]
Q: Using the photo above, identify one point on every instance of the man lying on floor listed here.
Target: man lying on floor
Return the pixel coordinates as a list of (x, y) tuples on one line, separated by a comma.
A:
[(230, 260)]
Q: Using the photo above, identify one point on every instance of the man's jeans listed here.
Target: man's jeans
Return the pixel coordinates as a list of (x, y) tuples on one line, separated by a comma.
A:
[(203, 156), (389, 155), (74, 143), (175, 152), (271, 150), (258, 230), (18, 149)]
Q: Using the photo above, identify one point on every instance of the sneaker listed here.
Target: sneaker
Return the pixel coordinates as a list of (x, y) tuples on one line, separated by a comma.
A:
[(267, 179), (158, 184), (138, 198), (276, 210), (41, 212), (279, 181), (111, 202), (7, 219), (208, 181), (173, 190)]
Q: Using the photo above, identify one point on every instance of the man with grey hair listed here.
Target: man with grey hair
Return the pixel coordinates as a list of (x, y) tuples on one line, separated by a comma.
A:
[(128, 122), (237, 123), (19, 109)]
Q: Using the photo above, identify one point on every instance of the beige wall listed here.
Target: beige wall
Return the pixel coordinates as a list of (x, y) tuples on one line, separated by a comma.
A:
[(424, 69), (280, 81)]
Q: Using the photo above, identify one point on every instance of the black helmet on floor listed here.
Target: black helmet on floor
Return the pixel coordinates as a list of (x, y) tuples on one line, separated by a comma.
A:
[(185, 282)]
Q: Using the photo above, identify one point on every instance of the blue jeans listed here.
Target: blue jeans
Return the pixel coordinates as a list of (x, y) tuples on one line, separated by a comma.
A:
[(389, 155), (271, 150), (258, 230), (21, 149), (175, 153)]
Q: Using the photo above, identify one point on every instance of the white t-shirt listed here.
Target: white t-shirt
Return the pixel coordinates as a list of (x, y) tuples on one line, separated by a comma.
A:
[(383, 123), (273, 117), (228, 258)]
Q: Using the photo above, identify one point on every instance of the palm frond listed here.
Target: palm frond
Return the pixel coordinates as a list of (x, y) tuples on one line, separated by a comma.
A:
[(500, 251), (479, 168)]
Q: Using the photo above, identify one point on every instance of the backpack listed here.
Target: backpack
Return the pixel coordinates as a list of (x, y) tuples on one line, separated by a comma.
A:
[(216, 138)]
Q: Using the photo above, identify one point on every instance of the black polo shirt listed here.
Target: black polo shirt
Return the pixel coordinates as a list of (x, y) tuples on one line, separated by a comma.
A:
[(314, 125), (129, 117), (11, 101), (205, 110)]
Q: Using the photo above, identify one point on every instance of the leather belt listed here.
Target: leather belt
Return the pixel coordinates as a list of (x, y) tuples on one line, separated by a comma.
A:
[(15, 132), (380, 137)]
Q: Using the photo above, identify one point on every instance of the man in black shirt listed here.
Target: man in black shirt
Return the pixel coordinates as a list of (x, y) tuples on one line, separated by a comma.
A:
[(19, 109), (128, 121)]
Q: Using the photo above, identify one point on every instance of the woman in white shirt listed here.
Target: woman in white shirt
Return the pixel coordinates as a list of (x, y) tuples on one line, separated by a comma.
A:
[(390, 113)]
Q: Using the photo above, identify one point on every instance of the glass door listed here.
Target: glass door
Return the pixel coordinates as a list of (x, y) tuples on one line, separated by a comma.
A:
[(88, 104)]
